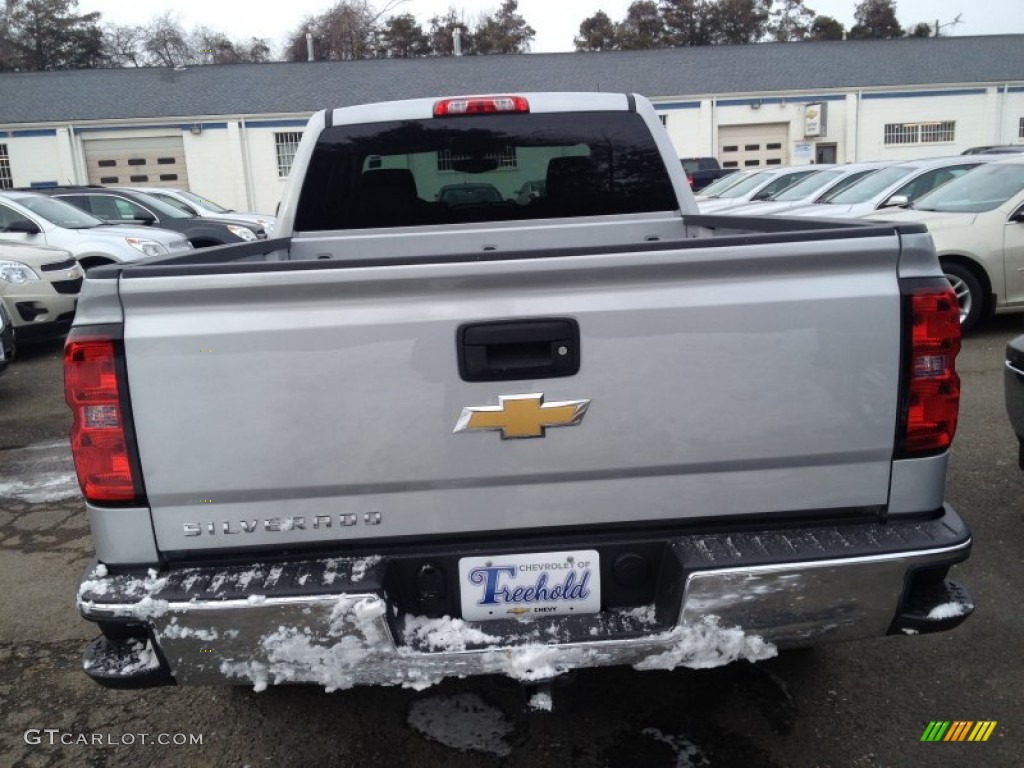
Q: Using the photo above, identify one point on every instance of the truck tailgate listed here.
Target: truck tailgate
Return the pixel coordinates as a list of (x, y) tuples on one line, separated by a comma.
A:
[(299, 406)]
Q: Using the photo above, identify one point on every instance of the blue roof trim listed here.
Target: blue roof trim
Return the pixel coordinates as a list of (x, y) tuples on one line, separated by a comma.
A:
[(924, 94), (145, 126), (780, 100), (276, 123), (28, 132), (676, 105)]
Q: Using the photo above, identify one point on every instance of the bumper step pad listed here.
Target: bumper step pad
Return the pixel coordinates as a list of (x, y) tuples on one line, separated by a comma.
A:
[(936, 607)]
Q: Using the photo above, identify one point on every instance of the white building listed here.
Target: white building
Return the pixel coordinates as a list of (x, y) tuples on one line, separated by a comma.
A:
[(229, 132)]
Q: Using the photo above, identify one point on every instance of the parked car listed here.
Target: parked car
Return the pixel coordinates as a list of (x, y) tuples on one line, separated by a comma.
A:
[(715, 188), (758, 186), (126, 206), (34, 219), (1014, 385), (1002, 149), (39, 287), (977, 224), (890, 187), (469, 194), (808, 189), (7, 346), (530, 191), (701, 171), (197, 205)]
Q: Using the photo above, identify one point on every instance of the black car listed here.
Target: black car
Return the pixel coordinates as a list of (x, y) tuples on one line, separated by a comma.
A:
[(1014, 379), (6, 338), (122, 206)]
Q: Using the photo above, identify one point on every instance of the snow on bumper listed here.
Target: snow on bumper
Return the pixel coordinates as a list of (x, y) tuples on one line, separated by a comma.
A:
[(723, 604)]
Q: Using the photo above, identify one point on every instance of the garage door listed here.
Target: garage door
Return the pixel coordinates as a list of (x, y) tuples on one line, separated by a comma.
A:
[(152, 162), (753, 146)]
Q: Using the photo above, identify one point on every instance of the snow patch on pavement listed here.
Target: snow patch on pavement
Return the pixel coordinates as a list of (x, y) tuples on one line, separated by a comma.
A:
[(463, 721), (40, 473), (688, 754)]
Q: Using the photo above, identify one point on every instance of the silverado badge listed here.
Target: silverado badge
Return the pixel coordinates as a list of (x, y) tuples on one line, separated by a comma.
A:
[(522, 416)]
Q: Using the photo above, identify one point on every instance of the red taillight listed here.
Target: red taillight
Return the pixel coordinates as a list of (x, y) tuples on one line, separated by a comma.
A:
[(480, 105), (98, 441), (932, 400), (689, 180)]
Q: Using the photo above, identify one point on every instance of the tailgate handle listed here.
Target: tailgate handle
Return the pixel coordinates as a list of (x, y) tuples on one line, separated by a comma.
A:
[(519, 349)]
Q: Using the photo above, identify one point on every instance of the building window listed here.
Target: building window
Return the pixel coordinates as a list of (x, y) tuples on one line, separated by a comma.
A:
[(920, 133), (1020, 129), (6, 182), (506, 158), (286, 144)]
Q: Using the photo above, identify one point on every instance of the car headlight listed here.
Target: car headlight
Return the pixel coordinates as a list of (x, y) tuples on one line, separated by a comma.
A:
[(16, 272), (243, 232), (148, 247), (267, 224)]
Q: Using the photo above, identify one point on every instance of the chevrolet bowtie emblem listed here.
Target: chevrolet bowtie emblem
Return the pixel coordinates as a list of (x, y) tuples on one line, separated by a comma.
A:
[(522, 416)]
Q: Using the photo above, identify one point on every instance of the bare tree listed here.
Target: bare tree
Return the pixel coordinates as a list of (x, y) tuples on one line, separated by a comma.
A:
[(124, 45), (167, 43), (347, 30)]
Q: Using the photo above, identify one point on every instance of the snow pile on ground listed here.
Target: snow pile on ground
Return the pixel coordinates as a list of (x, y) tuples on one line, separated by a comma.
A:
[(706, 645), (688, 754), (464, 721), (541, 700), (44, 472)]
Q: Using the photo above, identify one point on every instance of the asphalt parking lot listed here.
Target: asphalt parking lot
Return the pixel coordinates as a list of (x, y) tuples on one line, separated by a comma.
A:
[(858, 704)]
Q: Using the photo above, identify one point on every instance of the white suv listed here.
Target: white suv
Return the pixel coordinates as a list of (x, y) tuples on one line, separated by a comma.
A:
[(34, 219)]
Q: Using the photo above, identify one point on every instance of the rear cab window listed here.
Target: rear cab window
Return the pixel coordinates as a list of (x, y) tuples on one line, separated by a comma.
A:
[(466, 169)]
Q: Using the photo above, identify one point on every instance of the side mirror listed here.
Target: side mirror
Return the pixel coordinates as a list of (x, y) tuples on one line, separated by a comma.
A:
[(146, 219), (896, 201), (23, 226)]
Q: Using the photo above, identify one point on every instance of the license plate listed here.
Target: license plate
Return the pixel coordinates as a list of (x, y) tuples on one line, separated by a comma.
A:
[(530, 585)]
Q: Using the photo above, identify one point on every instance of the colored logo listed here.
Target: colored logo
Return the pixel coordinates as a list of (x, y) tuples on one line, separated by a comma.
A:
[(958, 730), (521, 416)]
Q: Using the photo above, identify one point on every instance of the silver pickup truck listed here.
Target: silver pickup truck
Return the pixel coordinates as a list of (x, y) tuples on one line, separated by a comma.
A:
[(410, 439)]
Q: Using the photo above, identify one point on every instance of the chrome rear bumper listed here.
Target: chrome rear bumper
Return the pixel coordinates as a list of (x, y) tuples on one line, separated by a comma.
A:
[(728, 596)]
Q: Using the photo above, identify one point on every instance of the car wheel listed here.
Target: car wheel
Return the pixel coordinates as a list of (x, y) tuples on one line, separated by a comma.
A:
[(969, 294)]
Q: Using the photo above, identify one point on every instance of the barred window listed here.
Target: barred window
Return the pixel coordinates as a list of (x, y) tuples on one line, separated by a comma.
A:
[(6, 181), (920, 133), (506, 159), (286, 144)]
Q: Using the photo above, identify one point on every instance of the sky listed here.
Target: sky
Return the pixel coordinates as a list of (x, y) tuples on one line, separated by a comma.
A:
[(556, 21)]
